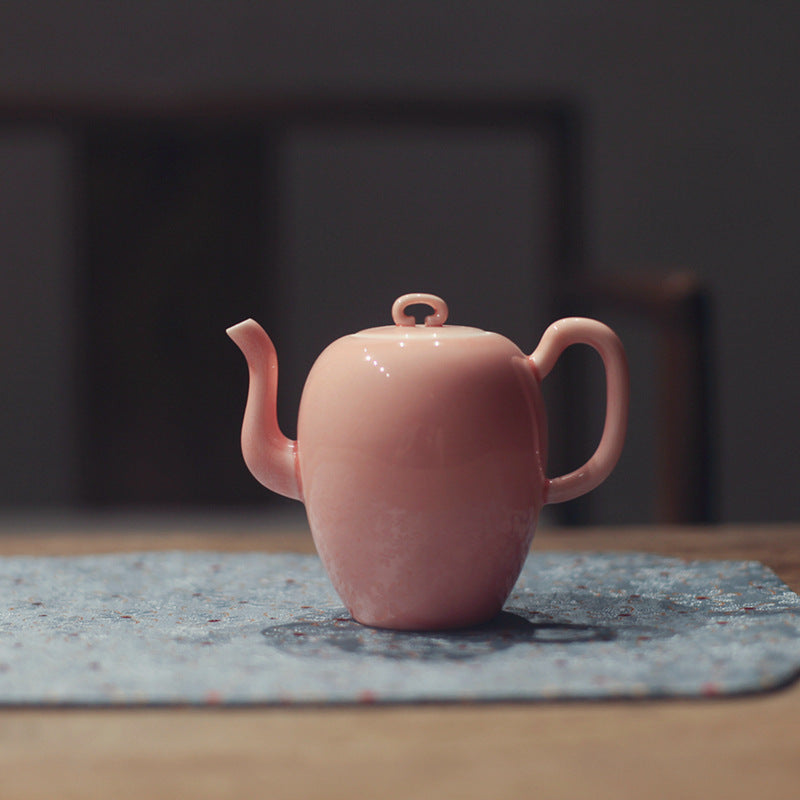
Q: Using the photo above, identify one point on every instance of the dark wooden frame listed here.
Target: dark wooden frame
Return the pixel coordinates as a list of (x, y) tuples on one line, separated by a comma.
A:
[(681, 317)]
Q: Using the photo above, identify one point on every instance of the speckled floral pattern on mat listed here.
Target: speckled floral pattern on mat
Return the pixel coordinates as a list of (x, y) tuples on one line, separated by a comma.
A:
[(211, 628)]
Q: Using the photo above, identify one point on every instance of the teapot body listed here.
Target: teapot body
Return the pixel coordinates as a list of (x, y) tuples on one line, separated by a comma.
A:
[(421, 462), (420, 457)]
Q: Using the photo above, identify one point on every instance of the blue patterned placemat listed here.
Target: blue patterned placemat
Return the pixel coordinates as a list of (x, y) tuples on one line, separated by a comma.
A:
[(210, 628)]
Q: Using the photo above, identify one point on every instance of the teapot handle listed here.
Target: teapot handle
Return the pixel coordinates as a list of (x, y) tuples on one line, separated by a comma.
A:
[(556, 339)]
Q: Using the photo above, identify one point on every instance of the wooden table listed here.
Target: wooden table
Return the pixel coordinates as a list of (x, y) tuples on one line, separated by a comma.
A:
[(743, 747)]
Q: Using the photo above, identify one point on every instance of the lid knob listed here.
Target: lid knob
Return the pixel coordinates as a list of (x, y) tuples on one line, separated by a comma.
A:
[(438, 305)]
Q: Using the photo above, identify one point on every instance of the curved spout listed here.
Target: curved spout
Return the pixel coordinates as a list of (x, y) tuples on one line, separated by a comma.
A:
[(269, 455)]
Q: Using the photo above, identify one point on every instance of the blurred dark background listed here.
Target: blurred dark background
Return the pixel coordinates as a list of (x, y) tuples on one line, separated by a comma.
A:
[(167, 169)]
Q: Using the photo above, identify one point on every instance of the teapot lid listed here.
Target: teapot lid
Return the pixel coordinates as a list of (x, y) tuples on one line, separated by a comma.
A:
[(405, 326)]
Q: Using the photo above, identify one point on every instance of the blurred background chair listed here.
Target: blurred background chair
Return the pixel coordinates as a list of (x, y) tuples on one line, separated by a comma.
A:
[(180, 216)]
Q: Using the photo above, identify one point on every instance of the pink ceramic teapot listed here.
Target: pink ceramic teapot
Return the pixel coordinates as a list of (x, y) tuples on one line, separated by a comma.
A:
[(420, 458)]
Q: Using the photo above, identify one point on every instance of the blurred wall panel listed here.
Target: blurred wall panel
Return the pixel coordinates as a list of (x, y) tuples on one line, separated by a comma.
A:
[(174, 253), (38, 437)]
